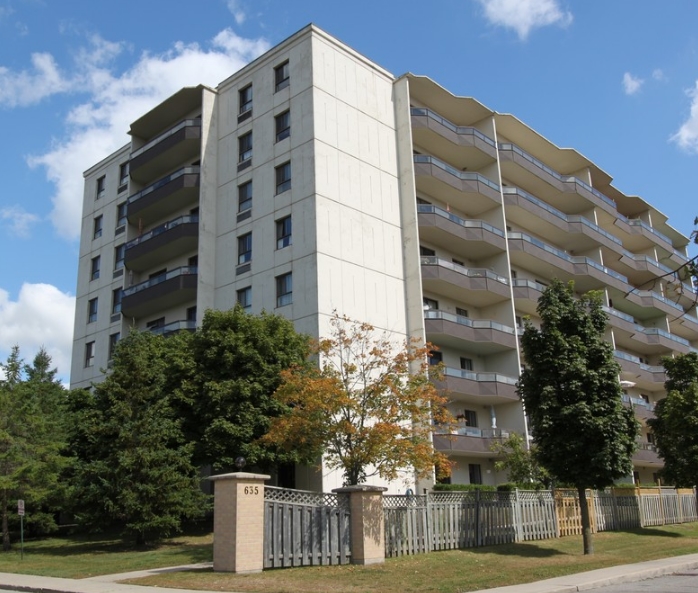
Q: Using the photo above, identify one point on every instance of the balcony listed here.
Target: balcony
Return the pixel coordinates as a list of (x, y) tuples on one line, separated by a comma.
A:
[(528, 172), (473, 286), (471, 193), (161, 292), (476, 442), (646, 340), (482, 336), (176, 146), (550, 262), (685, 326), (163, 243), (575, 232), (646, 455), (526, 294), (475, 238), (174, 327), (643, 409), (466, 145), (653, 303), (645, 376), (638, 236), (165, 197), (483, 388)]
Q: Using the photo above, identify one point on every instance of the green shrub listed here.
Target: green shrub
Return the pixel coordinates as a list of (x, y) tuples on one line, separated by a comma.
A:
[(462, 487)]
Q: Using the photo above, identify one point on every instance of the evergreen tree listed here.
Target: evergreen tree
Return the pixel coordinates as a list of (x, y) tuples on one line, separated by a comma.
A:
[(570, 388)]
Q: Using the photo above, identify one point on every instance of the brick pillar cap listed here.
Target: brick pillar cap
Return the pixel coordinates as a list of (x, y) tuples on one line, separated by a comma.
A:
[(359, 488), (239, 476)]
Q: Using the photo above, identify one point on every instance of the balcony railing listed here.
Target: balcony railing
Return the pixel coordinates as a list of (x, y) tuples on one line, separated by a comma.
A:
[(617, 313), (181, 125), (637, 401), (472, 431), (483, 377), (464, 175), (175, 326), (468, 224), (474, 323), (163, 228), (451, 126), (160, 182), (182, 271), (636, 360), (432, 260), (659, 297), (648, 228), (523, 283)]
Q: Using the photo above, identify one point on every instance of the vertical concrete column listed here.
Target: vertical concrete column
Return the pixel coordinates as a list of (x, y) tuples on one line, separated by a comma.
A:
[(367, 523), (238, 522)]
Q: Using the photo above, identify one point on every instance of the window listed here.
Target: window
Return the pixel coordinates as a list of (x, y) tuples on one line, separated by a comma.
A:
[(281, 76), (246, 99), (119, 255), (422, 202), (284, 290), (283, 125), (94, 267), (89, 354), (193, 262), (116, 296), (155, 324), (458, 262), (426, 251), (466, 364), (113, 341), (92, 310), (470, 417), (245, 147), (435, 357), (97, 228), (475, 473), (650, 438), (429, 304), (283, 232), (245, 297), (462, 312), (245, 196), (191, 314), (513, 274), (123, 176), (121, 214), (519, 321), (244, 248), (283, 177), (101, 187)]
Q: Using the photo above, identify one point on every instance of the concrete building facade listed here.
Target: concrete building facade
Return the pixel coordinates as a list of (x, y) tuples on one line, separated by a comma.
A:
[(314, 181)]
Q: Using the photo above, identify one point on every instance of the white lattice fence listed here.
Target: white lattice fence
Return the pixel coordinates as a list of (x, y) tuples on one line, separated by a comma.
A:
[(304, 528)]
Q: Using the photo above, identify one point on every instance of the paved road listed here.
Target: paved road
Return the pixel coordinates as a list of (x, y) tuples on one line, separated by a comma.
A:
[(685, 581)]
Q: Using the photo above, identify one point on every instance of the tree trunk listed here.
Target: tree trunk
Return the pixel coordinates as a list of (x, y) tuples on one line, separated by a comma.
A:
[(586, 521), (5, 528)]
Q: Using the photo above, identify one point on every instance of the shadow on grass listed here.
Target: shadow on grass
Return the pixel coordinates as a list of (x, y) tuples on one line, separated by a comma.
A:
[(651, 531), (527, 550)]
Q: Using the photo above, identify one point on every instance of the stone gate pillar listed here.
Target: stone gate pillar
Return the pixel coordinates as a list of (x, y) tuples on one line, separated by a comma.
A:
[(238, 522), (367, 523)]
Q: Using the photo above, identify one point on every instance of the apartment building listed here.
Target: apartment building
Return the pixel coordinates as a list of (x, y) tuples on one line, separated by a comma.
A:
[(313, 180)]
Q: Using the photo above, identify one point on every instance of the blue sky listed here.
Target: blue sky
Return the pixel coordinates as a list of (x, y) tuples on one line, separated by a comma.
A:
[(617, 80)]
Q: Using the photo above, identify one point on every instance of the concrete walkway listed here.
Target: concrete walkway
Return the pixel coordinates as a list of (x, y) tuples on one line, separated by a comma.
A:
[(582, 581)]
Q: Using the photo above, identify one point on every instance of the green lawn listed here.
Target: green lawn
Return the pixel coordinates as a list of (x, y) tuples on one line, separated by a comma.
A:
[(443, 572)]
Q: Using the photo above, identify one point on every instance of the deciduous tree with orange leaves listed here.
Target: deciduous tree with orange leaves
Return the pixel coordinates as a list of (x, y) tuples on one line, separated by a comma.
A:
[(368, 406)]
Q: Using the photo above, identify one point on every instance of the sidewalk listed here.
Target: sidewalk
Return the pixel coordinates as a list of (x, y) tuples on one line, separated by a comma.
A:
[(582, 581)]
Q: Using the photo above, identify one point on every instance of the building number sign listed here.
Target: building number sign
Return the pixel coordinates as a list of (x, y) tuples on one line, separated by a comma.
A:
[(251, 490)]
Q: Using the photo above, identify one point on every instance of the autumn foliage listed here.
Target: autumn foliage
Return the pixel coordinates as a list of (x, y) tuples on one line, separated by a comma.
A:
[(368, 406)]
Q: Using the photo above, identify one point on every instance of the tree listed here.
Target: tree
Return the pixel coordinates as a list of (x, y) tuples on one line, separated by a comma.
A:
[(133, 466), (31, 440), (368, 406), (520, 462), (675, 425), (572, 395), (226, 394)]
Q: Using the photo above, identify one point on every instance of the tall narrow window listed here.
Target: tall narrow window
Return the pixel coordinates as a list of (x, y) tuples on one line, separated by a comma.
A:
[(283, 125), (246, 99), (466, 364), (94, 267), (119, 255), (123, 176), (97, 229), (113, 341), (245, 147), (245, 297), (435, 357), (121, 214), (283, 232), (92, 310), (281, 76), (284, 290), (191, 313), (116, 296), (244, 248), (89, 354), (283, 177), (245, 196), (475, 472), (101, 186)]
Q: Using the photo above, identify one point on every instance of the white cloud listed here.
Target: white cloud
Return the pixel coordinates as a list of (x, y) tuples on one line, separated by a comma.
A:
[(97, 125), (236, 9), (658, 74), (631, 84), (525, 15), (18, 220), (687, 135), (42, 315), (29, 87)]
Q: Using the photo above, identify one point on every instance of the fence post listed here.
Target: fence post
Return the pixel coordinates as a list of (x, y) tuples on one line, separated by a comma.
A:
[(367, 523), (518, 516), (478, 532), (238, 522)]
